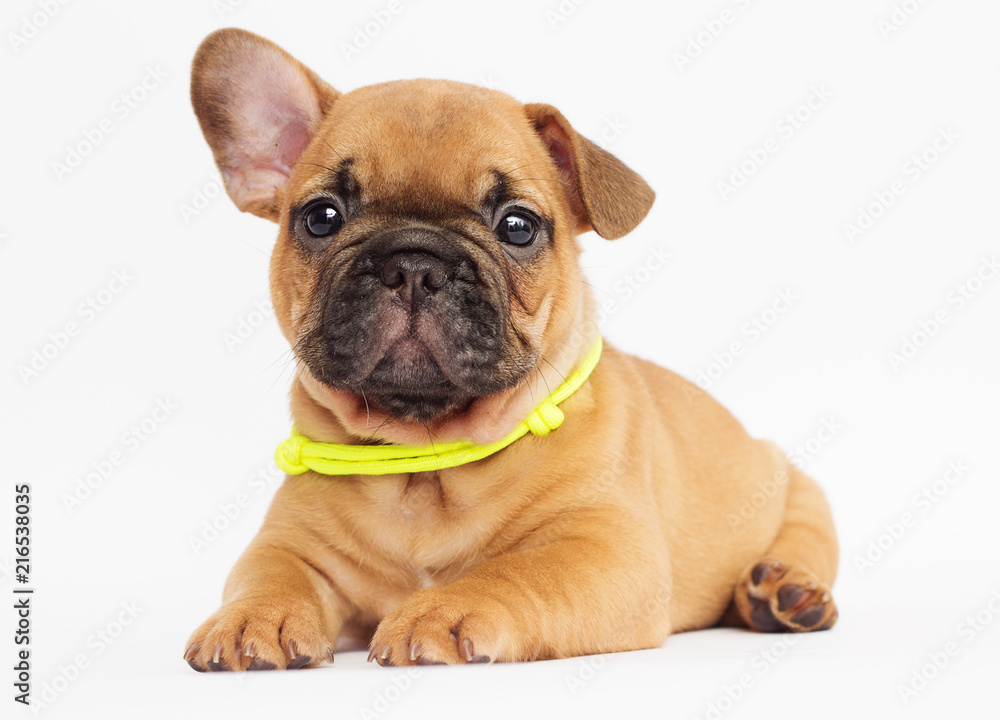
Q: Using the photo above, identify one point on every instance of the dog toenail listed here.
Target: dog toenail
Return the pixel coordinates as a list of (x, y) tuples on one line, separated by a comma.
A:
[(470, 652)]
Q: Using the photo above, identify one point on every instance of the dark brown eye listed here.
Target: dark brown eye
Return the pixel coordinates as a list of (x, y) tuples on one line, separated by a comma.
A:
[(517, 229), (322, 220)]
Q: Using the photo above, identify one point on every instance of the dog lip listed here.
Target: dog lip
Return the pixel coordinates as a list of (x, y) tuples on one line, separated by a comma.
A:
[(409, 382), (410, 348), (408, 364)]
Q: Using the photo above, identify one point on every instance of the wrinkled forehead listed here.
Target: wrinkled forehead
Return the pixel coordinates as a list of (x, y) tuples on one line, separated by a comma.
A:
[(430, 142)]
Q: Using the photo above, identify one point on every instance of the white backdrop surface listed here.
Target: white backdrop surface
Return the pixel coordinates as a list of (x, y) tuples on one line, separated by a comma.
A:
[(827, 190)]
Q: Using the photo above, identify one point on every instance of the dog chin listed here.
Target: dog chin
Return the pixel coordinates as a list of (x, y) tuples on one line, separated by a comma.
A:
[(401, 397), (408, 383), (418, 407)]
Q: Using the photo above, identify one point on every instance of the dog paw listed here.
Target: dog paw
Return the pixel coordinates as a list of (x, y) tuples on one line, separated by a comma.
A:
[(436, 627), (773, 597), (259, 634)]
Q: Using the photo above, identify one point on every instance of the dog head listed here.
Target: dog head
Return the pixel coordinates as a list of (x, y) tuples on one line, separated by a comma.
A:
[(426, 266)]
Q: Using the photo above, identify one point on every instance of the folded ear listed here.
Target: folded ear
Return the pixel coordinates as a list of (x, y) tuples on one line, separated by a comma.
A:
[(604, 193), (258, 108)]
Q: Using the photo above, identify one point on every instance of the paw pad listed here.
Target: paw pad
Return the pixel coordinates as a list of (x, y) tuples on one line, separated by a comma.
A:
[(774, 597)]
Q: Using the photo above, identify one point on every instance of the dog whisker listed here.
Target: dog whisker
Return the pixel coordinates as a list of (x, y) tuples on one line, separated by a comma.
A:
[(368, 412), (545, 359)]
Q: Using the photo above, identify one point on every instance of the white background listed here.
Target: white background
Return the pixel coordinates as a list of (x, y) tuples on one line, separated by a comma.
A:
[(612, 68)]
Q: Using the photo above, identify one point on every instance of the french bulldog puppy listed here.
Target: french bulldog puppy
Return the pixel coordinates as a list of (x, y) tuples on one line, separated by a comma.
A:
[(426, 275)]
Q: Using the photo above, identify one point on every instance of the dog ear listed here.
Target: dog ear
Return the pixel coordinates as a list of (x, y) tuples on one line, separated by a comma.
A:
[(604, 193), (258, 108)]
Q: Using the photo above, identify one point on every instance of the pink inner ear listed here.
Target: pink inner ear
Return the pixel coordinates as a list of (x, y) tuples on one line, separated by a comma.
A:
[(294, 139), (563, 159), (273, 111), (561, 151), (559, 148)]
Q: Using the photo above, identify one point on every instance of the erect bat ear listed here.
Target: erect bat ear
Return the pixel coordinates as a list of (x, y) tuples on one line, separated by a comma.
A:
[(258, 108), (604, 193)]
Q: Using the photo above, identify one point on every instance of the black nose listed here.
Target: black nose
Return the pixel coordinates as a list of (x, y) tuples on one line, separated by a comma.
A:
[(414, 276)]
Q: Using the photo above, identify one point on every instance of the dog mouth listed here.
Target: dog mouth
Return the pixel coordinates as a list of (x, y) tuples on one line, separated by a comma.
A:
[(409, 382), (419, 376), (413, 366)]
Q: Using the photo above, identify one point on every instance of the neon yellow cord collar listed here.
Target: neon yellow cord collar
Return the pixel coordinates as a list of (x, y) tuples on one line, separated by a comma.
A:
[(299, 454)]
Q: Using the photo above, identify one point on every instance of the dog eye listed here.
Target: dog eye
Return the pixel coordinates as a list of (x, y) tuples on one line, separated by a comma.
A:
[(322, 220), (517, 229)]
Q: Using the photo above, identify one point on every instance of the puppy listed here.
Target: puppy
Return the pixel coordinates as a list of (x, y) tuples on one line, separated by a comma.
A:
[(426, 275)]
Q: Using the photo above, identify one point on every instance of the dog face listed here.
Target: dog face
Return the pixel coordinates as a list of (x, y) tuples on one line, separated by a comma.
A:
[(419, 255), (426, 256)]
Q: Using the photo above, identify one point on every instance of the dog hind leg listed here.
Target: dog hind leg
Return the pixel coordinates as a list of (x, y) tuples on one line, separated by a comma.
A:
[(788, 590)]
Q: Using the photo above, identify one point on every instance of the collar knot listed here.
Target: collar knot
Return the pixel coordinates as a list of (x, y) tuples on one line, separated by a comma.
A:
[(545, 418), (291, 452)]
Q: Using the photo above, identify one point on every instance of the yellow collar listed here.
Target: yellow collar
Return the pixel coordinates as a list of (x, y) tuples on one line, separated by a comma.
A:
[(299, 454)]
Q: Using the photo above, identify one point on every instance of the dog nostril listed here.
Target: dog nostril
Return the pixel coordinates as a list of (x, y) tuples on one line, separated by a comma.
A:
[(413, 276), (392, 277), (435, 279)]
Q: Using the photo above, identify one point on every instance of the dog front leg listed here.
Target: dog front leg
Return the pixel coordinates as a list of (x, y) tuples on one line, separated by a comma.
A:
[(572, 592), (278, 612)]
